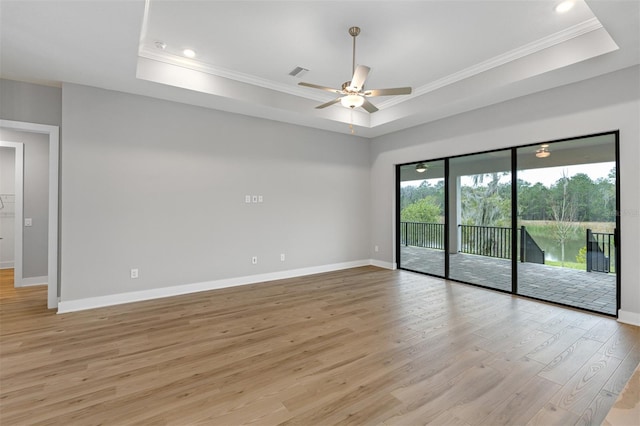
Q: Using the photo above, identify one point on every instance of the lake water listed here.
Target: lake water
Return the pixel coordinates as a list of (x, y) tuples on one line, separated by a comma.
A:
[(553, 251)]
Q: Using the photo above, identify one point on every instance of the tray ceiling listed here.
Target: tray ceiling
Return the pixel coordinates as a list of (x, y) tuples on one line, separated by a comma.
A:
[(456, 55)]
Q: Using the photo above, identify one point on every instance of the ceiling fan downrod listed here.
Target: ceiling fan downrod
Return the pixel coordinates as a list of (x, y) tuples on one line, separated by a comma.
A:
[(354, 31)]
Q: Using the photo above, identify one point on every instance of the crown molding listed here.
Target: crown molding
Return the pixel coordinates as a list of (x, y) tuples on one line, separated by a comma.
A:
[(154, 54), (567, 34)]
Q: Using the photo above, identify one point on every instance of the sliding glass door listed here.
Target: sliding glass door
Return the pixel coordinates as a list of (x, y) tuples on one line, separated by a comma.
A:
[(480, 219), (539, 221), (567, 222), (422, 210)]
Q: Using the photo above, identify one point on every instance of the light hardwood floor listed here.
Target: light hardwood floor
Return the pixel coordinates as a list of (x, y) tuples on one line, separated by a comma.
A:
[(360, 346)]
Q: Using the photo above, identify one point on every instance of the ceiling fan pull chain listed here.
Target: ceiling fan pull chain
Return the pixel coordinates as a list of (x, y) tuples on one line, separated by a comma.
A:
[(353, 132)]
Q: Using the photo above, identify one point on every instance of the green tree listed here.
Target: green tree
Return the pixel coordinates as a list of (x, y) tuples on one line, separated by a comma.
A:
[(412, 194), (425, 210), (486, 205), (533, 201), (582, 190)]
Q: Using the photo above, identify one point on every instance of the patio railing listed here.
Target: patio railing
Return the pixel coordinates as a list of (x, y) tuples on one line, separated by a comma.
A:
[(530, 251), (492, 241), (425, 235), (600, 247), (495, 241)]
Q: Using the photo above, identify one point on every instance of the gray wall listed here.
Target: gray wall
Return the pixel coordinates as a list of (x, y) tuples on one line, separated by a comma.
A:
[(31, 103), (601, 104), (36, 200), (161, 186)]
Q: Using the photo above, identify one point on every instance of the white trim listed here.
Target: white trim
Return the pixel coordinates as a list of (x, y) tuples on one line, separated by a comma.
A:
[(382, 264), (627, 317), (19, 211), (54, 148), (154, 54), (157, 293), (31, 281), (9, 264)]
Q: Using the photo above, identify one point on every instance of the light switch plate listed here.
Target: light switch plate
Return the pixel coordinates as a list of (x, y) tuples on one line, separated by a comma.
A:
[(28, 221)]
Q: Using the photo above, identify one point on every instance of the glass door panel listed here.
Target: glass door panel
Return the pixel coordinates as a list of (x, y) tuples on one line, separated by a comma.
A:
[(422, 227), (567, 222), (480, 219)]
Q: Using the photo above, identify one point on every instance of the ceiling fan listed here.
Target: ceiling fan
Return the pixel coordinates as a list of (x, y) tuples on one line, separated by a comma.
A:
[(353, 92)]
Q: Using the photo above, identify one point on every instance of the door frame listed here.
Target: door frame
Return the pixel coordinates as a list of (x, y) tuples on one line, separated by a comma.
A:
[(54, 149), (18, 213)]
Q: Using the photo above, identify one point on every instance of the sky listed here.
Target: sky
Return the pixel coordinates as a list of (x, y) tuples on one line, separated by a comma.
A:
[(547, 176)]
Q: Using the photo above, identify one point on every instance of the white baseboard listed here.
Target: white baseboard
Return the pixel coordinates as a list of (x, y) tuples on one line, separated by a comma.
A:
[(157, 293), (7, 264), (381, 264), (632, 318), (28, 282)]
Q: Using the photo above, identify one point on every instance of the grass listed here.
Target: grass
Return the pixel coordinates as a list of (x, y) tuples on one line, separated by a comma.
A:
[(574, 265), (570, 265), (545, 227)]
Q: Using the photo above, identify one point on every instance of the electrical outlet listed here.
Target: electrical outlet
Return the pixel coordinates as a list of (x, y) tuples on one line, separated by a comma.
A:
[(282, 257), (254, 198), (134, 273), (254, 260), (260, 199), (247, 198), (28, 221)]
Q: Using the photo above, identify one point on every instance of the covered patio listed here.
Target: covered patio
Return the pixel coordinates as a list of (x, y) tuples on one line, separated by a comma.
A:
[(595, 291)]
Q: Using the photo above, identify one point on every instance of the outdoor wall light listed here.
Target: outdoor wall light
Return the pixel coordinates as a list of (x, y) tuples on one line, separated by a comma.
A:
[(543, 152)]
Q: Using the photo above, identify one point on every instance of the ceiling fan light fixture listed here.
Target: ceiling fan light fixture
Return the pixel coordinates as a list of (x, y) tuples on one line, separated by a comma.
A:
[(352, 101), (421, 167)]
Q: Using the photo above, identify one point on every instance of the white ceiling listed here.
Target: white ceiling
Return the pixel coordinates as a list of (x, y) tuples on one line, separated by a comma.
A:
[(456, 55)]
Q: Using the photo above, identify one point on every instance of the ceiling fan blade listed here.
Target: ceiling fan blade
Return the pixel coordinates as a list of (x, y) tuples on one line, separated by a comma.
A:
[(388, 92), (335, 101), (359, 77), (315, 86), (369, 106)]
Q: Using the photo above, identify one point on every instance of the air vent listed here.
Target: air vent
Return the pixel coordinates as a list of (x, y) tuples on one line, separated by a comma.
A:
[(298, 72)]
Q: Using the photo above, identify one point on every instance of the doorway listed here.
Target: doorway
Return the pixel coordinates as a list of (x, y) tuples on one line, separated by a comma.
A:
[(52, 134), (11, 204)]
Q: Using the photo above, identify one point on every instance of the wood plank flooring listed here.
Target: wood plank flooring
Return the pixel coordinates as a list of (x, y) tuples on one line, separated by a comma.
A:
[(360, 346)]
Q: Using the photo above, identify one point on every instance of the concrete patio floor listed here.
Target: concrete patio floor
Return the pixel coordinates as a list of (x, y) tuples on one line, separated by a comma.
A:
[(594, 291)]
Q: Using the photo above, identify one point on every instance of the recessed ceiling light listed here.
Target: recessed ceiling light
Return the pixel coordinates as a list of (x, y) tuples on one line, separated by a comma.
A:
[(189, 53), (565, 6)]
